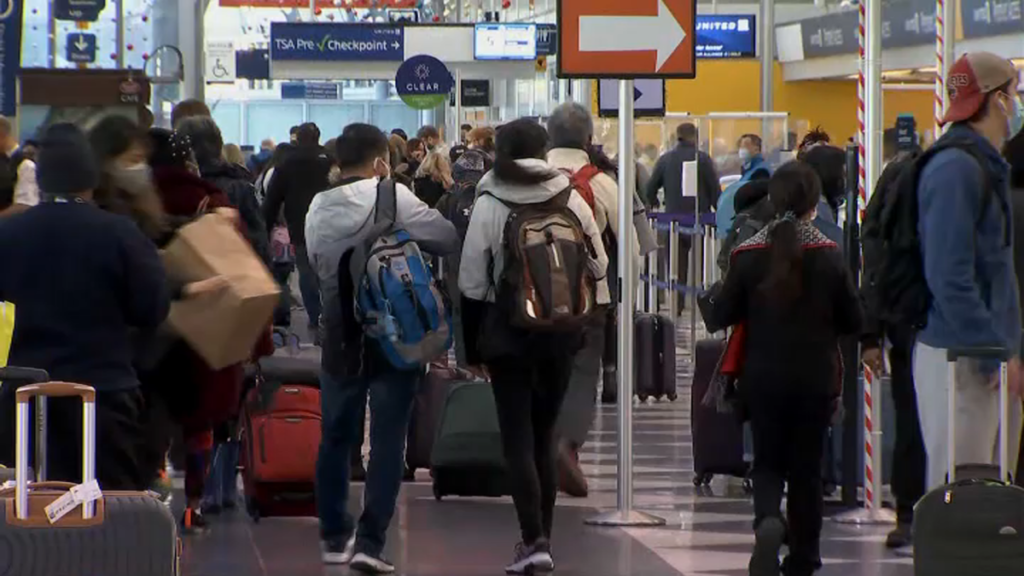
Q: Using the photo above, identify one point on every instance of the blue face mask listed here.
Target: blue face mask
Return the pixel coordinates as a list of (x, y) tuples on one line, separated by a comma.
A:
[(1016, 117), (744, 155)]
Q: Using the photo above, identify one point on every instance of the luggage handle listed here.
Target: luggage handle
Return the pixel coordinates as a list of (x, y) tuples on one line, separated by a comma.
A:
[(32, 376), (979, 353), (53, 389)]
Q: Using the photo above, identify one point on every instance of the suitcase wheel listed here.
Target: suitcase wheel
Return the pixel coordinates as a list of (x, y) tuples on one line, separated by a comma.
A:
[(702, 479), (673, 397)]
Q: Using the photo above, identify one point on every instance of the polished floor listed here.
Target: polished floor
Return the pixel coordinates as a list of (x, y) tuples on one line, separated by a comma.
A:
[(707, 533)]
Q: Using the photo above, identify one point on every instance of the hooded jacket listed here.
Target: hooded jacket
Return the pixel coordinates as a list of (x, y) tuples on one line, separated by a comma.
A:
[(338, 221), (236, 182), (483, 262)]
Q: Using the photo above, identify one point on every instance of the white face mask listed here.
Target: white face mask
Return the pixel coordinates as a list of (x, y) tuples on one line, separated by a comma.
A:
[(744, 154)]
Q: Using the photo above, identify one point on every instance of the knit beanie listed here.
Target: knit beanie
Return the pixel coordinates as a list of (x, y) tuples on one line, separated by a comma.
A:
[(66, 165)]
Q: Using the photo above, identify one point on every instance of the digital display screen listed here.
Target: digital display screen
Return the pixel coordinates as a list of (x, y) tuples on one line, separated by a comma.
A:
[(725, 36), (503, 41)]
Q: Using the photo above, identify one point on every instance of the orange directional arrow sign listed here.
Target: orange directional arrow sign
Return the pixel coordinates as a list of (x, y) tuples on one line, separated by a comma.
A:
[(637, 39)]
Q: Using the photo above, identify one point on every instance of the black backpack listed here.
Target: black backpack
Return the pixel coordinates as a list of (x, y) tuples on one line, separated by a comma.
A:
[(893, 262)]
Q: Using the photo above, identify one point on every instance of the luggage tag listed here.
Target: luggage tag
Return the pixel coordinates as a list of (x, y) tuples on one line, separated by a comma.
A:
[(76, 496)]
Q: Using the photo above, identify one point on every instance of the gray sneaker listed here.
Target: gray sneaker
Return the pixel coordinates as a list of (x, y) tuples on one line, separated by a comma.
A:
[(531, 559), (338, 551), (367, 564)]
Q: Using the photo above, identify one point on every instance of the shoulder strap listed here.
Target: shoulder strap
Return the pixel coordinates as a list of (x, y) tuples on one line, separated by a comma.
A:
[(385, 210), (386, 207)]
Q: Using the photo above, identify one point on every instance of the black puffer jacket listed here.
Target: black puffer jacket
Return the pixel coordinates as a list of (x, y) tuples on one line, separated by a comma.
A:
[(236, 182)]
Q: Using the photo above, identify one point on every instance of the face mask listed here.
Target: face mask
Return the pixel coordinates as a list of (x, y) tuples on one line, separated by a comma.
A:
[(744, 154), (1015, 118), (134, 179)]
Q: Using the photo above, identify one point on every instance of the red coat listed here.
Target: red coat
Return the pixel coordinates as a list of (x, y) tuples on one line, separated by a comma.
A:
[(219, 391)]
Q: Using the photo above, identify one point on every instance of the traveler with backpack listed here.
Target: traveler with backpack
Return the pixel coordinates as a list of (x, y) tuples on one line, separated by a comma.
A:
[(532, 257), (572, 130), (789, 287), (753, 210), (364, 239), (948, 265), (909, 459), (754, 168), (1014, 153)]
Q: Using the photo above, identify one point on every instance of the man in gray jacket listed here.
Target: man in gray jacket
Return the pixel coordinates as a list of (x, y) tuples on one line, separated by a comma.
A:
[(338, 221)]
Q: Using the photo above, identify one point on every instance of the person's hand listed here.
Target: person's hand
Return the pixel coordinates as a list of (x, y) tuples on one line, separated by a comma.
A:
[(229, 214), (204, 287), (873, 358), (1013, 377)]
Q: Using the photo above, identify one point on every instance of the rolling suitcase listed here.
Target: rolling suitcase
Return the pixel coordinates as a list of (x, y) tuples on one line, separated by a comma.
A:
[(119, 534), (281, 438), (655, 350), (426, 412), (467, 458), (975, 524), (717, 436)]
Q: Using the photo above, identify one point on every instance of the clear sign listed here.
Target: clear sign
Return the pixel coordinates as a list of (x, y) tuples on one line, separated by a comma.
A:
[(505, 41), (423, 82)]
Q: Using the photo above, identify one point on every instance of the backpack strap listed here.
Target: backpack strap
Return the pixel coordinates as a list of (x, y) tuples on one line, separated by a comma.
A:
[(580, 180), (385, 213)]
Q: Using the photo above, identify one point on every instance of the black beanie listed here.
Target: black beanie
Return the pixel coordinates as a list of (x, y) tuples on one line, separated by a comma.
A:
[(66, 165)]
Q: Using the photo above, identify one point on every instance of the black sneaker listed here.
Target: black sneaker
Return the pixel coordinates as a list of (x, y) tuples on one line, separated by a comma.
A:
[(767, 541), (900, 537), (367, 564), (337, 550), (530, 559), (193, 521)]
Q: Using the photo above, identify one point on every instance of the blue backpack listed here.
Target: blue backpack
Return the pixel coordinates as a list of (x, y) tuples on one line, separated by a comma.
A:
[(397, 301)]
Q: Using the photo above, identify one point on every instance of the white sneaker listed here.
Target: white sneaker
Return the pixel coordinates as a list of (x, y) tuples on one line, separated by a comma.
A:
[(371, 565), (336, 552), (530, 559)]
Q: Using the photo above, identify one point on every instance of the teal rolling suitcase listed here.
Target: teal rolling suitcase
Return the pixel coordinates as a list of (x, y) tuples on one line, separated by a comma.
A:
[(467, 458)]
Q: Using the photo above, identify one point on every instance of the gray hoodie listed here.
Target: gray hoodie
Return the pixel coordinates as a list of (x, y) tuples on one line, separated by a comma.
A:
[(482, 250), (338, 220)]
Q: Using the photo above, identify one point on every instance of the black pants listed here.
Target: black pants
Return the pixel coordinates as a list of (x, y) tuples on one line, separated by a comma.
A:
[(119, 438), (909, 460), (789, 436), (528, 392)]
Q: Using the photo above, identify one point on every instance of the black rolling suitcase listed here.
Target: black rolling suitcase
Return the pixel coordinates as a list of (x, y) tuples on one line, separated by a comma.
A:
[(975, 524), (717, 436), (655, 350), (119, 534), (467, 457)]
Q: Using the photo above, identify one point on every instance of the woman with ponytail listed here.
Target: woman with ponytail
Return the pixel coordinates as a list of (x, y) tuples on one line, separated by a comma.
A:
[(790, 288)]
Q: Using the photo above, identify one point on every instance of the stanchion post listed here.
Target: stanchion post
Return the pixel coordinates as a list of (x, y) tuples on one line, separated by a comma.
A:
[(673, 270), (696, 248), (652, 282), (624, 515)]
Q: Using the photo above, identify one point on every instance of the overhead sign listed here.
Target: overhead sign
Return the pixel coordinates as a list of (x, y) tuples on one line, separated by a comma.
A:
[(336, 42), (726, 36), (319, 4), (547, 39), (10, 54), (476, 93), (500, 41), (648, 97), (78, 10), (423, 82), (638, 39), (411, 15), (991, 17), (253, 64), (220, 61), (80, 48), (904, 24), (310, 91)]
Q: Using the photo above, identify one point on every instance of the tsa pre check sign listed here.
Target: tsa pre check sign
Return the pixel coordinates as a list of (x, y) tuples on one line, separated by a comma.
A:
[(337, 42)]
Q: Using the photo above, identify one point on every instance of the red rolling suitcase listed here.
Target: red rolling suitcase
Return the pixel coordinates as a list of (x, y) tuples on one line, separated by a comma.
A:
[(655, 350), (281, 438), (717, 436)]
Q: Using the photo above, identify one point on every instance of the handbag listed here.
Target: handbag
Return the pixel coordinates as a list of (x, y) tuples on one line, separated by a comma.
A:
[(722, 393)]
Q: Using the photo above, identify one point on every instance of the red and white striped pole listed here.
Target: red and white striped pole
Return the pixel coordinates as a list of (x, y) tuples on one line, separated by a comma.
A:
[(862, 141), (940, 66)]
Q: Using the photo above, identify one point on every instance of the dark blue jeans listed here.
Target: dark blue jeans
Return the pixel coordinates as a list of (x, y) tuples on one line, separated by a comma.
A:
[(309, 285), (391, 398)]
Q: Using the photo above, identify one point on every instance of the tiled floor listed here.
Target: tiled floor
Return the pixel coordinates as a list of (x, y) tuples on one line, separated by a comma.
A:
[(707, 534)]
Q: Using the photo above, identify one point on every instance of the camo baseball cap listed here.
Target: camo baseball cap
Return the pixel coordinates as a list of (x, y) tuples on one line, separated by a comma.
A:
[(971, 77)]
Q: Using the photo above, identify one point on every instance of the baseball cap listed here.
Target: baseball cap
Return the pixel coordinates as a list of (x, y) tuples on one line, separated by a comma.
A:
[(971, 77)]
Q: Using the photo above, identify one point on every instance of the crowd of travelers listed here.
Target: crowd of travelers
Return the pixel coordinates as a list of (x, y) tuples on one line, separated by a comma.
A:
[(96, 206)]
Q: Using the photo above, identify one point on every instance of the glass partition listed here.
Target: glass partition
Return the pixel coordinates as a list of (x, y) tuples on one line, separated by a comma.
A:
[(271, 120), (332, 118), (228, 116)]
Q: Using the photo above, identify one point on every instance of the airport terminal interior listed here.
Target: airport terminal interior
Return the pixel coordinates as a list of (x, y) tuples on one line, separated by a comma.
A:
[(747, 85)]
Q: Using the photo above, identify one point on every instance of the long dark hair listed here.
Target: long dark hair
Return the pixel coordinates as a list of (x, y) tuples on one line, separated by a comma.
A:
[(795, 191), (520, 140)]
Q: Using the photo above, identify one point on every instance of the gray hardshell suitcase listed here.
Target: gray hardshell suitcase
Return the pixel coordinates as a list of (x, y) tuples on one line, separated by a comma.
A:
[(975, 524), (121, 534)]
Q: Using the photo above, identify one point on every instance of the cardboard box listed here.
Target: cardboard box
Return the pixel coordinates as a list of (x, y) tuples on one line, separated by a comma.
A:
[(222, 326)]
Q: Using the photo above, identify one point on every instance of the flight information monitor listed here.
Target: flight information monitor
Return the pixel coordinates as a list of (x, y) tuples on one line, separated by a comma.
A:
[(505, 41)]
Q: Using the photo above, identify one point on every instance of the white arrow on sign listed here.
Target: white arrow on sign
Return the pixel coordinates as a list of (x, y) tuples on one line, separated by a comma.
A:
[(662, 33), (80, 43)]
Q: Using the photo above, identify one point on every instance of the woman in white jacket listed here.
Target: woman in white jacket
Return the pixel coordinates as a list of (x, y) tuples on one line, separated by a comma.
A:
[(529, 370)]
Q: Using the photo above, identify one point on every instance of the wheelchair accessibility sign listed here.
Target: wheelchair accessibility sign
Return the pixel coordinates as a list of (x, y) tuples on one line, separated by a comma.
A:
[(220, 61)]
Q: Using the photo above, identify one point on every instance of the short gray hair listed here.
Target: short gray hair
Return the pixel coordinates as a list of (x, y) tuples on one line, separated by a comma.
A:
[(570, 126), (207, 141)]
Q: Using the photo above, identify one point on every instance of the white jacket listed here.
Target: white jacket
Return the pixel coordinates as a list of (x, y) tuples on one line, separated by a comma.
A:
[(483, 248)]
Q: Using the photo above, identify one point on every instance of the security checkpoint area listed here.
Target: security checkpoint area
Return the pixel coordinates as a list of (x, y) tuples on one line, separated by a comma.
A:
[(742, 390)]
